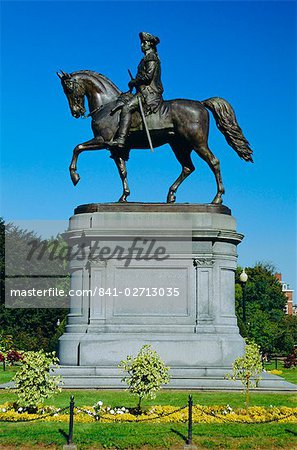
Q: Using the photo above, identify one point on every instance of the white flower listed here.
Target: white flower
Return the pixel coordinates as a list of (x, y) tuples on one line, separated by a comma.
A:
[(20, 409), (100, 403), (111, 411), (3, 409), (123, 408)]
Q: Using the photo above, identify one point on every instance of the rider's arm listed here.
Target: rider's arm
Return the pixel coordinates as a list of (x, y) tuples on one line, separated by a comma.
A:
[(145, 76)]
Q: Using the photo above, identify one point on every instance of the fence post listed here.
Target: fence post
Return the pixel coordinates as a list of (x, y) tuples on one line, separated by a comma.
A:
[(189, 445), (190, 420), (71, 413), (70, 445)]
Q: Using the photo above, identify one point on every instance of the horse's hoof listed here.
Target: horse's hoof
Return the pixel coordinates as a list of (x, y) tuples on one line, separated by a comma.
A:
[(171, 198), (75, 178), (217, 200), (122, 200)]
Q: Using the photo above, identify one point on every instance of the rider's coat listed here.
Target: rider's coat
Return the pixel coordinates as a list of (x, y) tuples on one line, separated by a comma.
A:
[(148, 81)]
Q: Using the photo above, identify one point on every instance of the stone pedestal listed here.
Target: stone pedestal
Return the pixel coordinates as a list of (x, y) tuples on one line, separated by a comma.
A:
[(187, 309)]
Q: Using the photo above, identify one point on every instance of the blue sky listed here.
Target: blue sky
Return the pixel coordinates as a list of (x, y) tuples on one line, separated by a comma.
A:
[(242, 51)]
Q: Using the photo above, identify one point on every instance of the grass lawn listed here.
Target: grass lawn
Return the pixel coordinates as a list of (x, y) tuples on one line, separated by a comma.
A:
[(288, 374), (151, 435), (51, 435), (174, 398), (7, 374)]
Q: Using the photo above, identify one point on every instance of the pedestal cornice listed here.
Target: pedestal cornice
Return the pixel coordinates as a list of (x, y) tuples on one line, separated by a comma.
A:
[(152, 207)]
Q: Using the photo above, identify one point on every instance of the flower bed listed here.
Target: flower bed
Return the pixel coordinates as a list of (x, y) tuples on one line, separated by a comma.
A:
[(156, 414)]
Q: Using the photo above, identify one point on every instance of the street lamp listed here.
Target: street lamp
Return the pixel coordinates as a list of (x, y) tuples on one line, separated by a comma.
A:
[(243, 278)]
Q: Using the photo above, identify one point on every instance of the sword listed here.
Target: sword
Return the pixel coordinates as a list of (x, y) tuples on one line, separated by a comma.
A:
[(143, 117)]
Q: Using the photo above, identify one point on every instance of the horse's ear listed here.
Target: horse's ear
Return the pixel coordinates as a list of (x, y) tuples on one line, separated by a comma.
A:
[(59, 75), (65, 74)]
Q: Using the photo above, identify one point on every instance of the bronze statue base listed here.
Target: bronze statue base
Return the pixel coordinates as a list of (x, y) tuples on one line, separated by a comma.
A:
[(152, 207)]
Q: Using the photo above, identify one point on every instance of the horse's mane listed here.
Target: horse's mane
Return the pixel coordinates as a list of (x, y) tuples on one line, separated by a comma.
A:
[(100, 79)]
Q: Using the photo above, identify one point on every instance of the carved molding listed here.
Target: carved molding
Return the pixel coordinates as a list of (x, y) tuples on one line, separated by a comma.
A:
[(197, 262), (95, 261)]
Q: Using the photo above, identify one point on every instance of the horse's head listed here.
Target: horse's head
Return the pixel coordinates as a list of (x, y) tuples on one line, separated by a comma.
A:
[(75, 93)]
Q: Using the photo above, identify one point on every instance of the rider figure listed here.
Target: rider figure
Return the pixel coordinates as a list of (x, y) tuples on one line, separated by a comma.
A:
[(148, 85)]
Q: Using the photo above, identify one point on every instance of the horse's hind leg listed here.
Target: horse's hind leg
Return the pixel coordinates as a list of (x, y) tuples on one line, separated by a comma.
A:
[(121, 165), (184, 159), (204, 152)]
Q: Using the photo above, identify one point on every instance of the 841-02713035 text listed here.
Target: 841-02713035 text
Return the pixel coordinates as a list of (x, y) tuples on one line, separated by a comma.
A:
[(138, 292)]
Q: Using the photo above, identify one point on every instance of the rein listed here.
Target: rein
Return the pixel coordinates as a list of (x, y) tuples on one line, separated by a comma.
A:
[(86, 116), (76, 95)]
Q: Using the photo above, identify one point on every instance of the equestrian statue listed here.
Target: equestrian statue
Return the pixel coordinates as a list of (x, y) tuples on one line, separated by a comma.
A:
[(125, 121)]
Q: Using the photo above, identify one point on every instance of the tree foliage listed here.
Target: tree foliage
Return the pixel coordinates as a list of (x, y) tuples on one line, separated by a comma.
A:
[(30, 328), (146, 373), (34, 382), (266, 322)]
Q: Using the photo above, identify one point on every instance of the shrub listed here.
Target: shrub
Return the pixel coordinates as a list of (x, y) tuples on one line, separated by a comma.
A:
[(247, 369), (14, 356), (146, 373), (291, 360), (34, 382)]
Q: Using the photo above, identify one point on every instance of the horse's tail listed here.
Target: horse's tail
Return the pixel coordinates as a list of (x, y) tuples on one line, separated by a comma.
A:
[(226, 122)]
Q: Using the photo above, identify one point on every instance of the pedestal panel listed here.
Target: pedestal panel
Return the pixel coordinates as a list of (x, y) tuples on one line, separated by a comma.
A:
[(193, 328)]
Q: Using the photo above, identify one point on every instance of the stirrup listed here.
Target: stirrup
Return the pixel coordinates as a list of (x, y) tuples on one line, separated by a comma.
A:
[(118, 144)]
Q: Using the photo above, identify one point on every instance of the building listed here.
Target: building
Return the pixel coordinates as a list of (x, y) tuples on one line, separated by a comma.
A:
[(290, 308)]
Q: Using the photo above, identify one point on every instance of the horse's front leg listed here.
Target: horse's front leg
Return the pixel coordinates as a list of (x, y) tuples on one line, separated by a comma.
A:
[(93, 144), (121, 165)]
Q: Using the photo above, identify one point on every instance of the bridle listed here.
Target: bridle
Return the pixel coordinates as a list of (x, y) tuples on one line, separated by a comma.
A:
[(75, 93), (75, 96)]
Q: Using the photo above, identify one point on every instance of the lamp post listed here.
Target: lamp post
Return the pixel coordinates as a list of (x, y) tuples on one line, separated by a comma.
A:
[(243, 278)]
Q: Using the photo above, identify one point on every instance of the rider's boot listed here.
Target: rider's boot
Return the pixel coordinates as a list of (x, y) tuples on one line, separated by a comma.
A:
[(121, 135)]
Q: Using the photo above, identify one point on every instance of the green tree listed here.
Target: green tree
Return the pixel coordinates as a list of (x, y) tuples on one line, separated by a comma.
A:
[(265, 316), (146, 373), (31, 328), (290, 324), (6, 344), (247, 369)]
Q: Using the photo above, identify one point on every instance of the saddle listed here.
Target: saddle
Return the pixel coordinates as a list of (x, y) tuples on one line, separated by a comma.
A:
[(155, 121)]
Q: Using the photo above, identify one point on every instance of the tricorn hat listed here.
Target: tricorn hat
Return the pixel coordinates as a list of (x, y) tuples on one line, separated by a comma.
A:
[(149, 37)]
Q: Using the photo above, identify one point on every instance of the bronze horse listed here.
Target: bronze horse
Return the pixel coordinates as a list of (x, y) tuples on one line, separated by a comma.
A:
[(183, 124)]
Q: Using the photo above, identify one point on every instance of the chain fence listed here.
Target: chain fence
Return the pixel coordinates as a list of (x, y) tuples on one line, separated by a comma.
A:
[(42, 417), (190, 407)]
